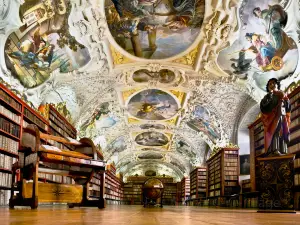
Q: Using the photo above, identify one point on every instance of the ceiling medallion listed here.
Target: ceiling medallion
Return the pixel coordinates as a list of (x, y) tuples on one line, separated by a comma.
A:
[(152, 138), (152, 104)]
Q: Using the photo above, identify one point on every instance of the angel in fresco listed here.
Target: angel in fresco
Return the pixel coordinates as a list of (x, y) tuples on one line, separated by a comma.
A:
[(264, 50)]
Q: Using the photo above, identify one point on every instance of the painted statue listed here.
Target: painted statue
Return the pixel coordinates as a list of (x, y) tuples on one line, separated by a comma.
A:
[(275, 108)]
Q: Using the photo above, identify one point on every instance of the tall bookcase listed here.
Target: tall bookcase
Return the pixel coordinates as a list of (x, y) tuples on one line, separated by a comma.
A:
[(10, 134), (185, 189), (198, 183), (294, 145), (222, 173), (114, 192), (169, 195), (257, 149)]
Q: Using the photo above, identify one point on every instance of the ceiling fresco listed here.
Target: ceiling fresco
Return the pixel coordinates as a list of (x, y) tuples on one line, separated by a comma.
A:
[(154, 29), (266, 46), (152, 104), (157, 84), (43, 43)]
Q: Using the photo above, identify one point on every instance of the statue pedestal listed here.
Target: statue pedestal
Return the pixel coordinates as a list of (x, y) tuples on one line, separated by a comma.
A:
[(276, 181)]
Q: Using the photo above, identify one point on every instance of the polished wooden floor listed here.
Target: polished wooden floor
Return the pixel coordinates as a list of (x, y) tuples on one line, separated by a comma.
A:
[(137, 215)]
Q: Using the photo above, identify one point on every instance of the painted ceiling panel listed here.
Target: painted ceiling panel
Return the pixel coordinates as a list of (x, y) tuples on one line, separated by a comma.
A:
[(158, 84)]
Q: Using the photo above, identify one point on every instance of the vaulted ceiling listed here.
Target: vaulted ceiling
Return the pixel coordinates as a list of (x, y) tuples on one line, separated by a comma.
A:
[(157, 84)]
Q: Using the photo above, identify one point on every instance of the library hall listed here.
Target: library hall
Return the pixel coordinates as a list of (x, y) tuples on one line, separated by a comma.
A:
[(149, 112)]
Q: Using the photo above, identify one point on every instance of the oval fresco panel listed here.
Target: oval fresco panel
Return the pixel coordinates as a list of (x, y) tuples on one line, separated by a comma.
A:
[(150, 155), (151, 139), (154, 29), (265, 48), (163, 76), (152, 104), (152, 126), (43, 43)]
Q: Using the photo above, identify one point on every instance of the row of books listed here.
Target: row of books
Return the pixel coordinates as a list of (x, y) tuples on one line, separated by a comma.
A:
[(295, 113), (96, 180), (95, 187), (68, 128), (258, 129), (56, 178), (5, 180), (231, 177), (34, 119), (230, 168), (4, 197), (231, 152), (230, 164), (60, 127), (230, 183), (12, 102), (231, 156), (9, 114), (295, 134), (259, 125), (109, 196), (295, 122), (294, 98), (6, 161), (9, 127), (297, 163), (94, 193), (294, 148), (259, 143), (230, 160), (259, 136), (9, 144), (297, 179), (59, 130)]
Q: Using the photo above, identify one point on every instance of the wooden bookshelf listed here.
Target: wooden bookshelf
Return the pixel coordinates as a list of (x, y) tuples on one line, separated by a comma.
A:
[(294, 145), (198, 183), (185, 189), (15, 115), (10, 134), (114, 192), (256, 134), (169, 194), (223, 173)]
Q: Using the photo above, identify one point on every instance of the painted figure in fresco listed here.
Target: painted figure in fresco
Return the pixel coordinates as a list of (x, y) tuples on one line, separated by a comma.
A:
[(275, 18), (241, 65), (36, 52), (129, 17), (264, 50), (275, 108)]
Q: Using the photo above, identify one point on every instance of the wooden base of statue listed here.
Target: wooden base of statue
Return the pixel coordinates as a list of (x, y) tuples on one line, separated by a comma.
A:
[(276, 181)]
